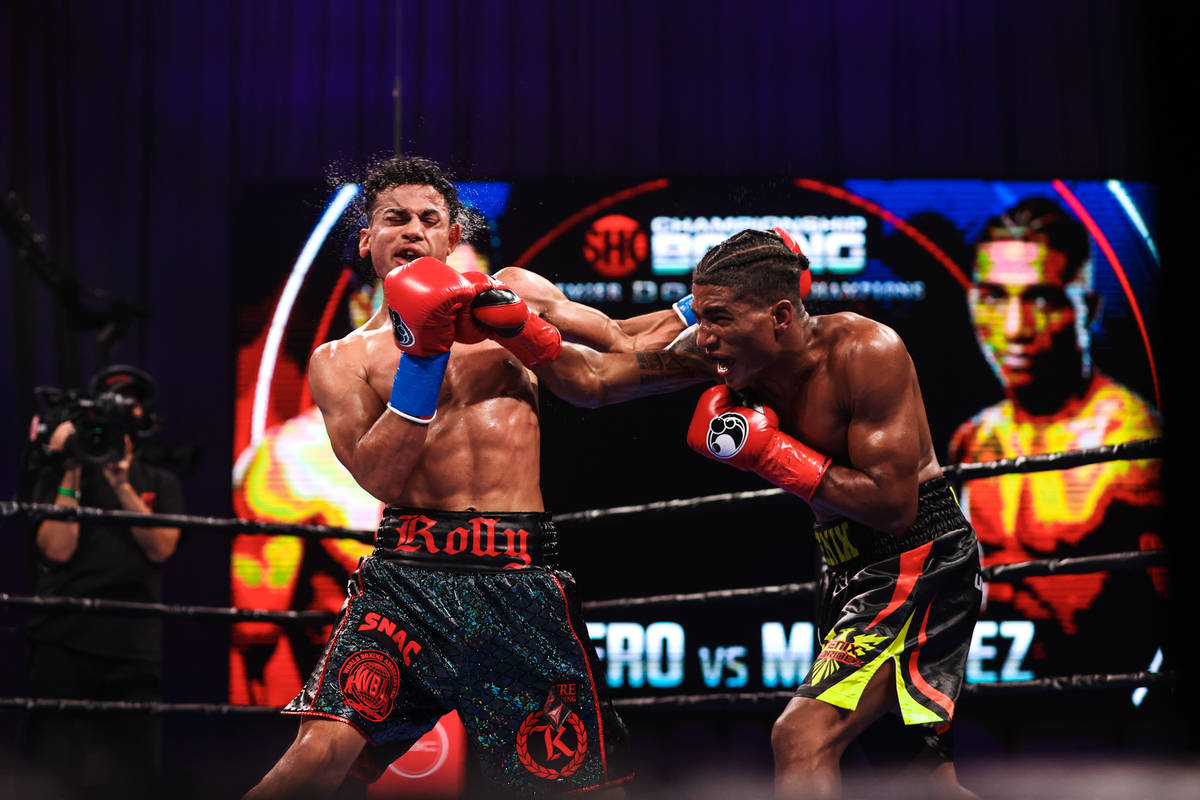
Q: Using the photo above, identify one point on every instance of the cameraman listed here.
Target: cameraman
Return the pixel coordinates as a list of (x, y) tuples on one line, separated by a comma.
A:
[(93, 656)]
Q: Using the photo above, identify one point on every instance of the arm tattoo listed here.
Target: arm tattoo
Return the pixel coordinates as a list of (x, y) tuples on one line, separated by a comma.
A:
[(663, 365)]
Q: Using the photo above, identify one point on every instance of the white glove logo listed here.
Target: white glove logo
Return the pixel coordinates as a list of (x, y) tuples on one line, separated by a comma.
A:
[(404, 337), (727, 434)]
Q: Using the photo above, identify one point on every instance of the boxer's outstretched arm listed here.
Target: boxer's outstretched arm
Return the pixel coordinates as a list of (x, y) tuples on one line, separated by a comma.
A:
[(378, 447), (589, 326), (584, 377)]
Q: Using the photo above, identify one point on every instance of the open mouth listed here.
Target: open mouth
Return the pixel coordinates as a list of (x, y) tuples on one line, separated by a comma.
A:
[(723, 365), (406, 255)]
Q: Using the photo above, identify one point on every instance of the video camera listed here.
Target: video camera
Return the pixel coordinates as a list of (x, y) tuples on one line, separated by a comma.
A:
[(103, 416)]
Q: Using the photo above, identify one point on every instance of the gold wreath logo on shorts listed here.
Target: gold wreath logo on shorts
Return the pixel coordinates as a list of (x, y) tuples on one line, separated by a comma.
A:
[(552, 741)]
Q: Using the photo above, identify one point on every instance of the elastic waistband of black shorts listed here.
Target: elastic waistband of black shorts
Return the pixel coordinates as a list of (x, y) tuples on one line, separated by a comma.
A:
[(475, 540), (847, 545)]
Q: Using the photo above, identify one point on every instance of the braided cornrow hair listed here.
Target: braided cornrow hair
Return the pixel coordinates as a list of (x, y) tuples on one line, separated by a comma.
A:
[(757, 264)]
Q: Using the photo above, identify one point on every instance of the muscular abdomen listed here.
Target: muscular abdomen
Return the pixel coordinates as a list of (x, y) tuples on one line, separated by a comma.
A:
[(483, 450)]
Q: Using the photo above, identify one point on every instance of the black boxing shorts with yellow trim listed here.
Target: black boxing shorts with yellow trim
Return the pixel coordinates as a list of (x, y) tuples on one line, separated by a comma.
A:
[(912, 598), (465, 611)]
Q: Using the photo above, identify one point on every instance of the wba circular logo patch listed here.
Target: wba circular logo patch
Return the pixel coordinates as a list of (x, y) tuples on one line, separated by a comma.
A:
[(404, 337), (369, 680), (726, 434)]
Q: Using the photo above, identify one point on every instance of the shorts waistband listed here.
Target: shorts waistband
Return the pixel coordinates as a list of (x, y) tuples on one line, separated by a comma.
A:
[(847, 545), (473, 540)]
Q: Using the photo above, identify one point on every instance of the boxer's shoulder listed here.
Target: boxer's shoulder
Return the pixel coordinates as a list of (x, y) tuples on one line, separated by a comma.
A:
[(854, 341), (368, 347), (366, 355), (538, 293), (848, 328)]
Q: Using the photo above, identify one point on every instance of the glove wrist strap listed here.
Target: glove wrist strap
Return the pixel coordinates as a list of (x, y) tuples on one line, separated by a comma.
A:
[(416, 386), (538, 342), (683, 309), (793, 466)]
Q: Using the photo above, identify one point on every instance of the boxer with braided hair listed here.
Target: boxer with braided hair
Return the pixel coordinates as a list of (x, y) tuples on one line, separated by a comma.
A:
[(828, 408)]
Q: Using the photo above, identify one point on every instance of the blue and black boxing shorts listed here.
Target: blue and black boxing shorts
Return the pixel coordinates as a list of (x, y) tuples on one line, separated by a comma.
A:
[(465, 611), (912, 598)]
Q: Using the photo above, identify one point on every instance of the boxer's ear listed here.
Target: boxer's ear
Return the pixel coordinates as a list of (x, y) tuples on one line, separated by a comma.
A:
[(783, 313)]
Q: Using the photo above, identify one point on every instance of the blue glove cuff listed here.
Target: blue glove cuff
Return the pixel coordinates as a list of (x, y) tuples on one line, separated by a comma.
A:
[(683, 307), (416, 386)]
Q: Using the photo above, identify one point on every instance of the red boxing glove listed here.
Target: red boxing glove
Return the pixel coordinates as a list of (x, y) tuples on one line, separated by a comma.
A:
[(423, 298), (466, 329), (750, 439), (508, 320)]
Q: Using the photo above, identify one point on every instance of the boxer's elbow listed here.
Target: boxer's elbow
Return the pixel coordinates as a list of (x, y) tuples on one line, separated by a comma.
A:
[(584, 389), (580, 376), (895, 516), (383, 479), (537, 292), (381, 484), (604, 385)]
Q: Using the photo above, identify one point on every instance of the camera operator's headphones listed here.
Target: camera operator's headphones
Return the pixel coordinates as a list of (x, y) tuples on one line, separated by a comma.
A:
[(131, 382)]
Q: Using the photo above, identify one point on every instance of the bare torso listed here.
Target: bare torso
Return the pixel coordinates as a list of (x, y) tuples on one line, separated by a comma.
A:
[(482, 450), (823, 405)]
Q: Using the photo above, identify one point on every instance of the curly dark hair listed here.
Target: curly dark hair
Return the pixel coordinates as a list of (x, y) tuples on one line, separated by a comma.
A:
[(412, 171), (757, 264)]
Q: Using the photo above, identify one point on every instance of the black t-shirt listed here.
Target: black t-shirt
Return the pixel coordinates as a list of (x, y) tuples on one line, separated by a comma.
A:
[(108, 563)]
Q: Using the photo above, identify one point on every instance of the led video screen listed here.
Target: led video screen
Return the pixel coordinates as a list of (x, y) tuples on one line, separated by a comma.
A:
[(1029, 308)]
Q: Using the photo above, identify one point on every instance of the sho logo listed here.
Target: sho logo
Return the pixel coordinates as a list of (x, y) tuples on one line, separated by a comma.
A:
[(404, 337), (615, 245), (727, 434)]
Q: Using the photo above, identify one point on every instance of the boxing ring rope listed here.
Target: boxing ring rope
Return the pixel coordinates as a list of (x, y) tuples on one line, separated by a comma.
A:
[(130, 608), (707, 701), (1149, 448), (997, 573), (236, 525), (1140, 449), (1126, 451)]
